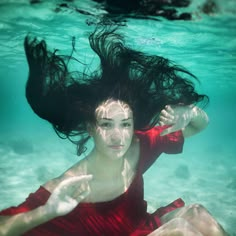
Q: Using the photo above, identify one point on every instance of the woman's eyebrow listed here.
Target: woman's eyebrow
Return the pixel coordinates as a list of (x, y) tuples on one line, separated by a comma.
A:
[(110, 119), (129, 118), (105, 118)]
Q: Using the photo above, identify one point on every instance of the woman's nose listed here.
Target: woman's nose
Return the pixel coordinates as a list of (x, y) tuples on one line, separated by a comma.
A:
[(116, 136)]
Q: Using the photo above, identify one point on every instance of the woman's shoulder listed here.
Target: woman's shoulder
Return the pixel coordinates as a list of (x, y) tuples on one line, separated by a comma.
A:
[(80, 168)]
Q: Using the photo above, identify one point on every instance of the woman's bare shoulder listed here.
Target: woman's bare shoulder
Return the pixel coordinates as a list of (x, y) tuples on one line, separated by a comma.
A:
[(80, 168)]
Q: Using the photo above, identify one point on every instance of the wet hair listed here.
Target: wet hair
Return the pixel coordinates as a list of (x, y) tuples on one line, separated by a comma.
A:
[(68, 100)]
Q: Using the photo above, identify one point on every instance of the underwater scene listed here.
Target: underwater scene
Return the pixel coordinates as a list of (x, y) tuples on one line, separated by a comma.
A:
[(200, 36)]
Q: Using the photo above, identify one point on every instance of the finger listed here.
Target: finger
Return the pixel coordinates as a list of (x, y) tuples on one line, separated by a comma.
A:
[(80, 194), (84, 187), (83, 195), (166, 117), (165, 121), (169, 109), (166, 114)]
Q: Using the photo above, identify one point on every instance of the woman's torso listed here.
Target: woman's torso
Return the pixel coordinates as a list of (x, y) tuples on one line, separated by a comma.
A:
[(103, 189)]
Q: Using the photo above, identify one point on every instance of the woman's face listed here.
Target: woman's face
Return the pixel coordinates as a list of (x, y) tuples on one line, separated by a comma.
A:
[(114, 129)]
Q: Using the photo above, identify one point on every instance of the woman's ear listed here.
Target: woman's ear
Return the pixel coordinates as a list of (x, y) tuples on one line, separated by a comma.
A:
[(90, 128)]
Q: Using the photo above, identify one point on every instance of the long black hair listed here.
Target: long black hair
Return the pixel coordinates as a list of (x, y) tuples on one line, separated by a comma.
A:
[(145, 82)]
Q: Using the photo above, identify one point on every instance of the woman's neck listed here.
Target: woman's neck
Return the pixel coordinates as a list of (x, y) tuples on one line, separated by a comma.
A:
[(104, 167)]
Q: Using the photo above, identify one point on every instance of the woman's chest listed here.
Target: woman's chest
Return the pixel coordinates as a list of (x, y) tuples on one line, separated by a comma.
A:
[(110, 188), (112, 185)]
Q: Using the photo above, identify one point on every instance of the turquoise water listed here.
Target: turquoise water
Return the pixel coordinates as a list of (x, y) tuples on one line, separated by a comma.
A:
[(31, 153)]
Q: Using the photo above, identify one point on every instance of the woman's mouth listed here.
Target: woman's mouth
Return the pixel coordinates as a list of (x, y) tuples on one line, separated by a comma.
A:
[(116, 147)]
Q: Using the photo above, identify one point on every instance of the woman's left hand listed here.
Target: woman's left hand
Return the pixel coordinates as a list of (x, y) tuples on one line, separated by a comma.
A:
[(177, 116)]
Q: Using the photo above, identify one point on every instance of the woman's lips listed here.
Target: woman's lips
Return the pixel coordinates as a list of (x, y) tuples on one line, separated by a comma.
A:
[(116, 147)]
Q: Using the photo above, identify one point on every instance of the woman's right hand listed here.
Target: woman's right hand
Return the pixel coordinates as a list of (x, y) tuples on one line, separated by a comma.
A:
[(67, 195)]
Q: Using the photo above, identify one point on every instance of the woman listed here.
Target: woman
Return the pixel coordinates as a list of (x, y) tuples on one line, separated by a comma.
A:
[(118, 106)]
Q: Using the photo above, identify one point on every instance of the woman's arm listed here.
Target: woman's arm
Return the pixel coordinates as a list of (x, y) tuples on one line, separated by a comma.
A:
[(199, 121), (64, 198), (20, 223), (190, 119)]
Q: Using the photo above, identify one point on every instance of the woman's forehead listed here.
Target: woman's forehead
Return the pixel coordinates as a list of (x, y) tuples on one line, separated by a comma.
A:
[(113, 108)]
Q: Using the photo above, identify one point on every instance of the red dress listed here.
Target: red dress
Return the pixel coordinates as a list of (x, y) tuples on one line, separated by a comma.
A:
[(125, 215)]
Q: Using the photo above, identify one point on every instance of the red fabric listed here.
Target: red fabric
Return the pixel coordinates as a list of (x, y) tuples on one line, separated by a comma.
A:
[(152, 145), (126, 215)]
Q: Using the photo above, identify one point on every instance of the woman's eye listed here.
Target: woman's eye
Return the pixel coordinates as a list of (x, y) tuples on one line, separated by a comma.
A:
[(126, 125), (105, 125)]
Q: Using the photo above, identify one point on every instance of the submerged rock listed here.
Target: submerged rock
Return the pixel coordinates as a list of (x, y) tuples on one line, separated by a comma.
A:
[(182, 172)]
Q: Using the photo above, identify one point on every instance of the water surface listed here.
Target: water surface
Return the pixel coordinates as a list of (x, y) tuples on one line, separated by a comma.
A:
[(30, 151)]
